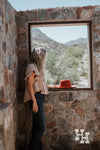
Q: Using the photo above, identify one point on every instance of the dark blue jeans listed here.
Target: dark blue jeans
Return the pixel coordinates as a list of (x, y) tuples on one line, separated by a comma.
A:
[(38, 125)]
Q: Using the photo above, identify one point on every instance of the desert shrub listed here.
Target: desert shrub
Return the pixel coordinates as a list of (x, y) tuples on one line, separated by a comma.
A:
[(64, 65)]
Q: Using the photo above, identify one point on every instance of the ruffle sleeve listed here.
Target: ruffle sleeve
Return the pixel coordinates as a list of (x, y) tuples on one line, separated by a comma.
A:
[(29, 69)]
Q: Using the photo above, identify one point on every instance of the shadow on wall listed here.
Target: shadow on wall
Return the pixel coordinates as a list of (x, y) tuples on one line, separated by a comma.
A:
[(92, 146), (67, 142)]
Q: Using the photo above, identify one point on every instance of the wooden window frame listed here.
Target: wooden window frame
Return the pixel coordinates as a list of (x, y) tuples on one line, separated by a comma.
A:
[(59, 23)]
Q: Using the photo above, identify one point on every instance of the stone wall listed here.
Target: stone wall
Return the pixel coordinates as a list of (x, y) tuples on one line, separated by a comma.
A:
[(64, 110), (8, 64), (7, 137)]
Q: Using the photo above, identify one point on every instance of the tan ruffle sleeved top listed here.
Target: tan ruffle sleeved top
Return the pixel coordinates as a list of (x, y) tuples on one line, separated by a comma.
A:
[(38, 85)]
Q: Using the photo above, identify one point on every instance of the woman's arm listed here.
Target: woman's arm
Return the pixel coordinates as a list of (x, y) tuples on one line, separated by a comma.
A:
[(48, 86), (30, 82)]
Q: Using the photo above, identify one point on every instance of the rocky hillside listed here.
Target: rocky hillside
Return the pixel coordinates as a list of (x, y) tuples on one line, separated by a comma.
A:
[(80, 41), (37, 34)]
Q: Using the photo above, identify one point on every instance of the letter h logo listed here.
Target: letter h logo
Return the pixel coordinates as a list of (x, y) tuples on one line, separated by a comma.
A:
[(79, 136)]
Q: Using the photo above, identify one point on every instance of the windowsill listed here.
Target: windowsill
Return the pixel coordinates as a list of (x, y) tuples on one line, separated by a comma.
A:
[(69, 89)]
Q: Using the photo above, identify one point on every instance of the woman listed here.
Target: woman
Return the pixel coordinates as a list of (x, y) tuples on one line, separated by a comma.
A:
[(35, 92)]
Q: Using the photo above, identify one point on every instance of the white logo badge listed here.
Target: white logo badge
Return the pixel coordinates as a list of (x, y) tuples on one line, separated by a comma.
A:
[(79, 136)]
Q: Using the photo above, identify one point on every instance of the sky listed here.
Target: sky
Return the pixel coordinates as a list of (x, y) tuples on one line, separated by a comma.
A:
[(35, 4), (64, 34)]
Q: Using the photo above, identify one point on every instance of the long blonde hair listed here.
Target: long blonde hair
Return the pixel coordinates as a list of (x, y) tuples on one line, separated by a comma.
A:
[(38, 57)]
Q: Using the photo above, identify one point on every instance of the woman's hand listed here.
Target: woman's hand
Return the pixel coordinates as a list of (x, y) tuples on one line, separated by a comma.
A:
[(48, 86), (35, 107)]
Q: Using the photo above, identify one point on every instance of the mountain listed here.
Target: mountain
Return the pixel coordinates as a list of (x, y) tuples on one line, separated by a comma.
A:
[(39, 39), (37, 34), (80, 41)]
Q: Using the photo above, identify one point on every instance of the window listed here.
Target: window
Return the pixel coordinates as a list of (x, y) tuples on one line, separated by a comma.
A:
[(69, 51)]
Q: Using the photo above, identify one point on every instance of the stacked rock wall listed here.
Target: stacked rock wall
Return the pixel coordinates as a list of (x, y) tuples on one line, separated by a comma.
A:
[(8, 74), (7, 136)]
